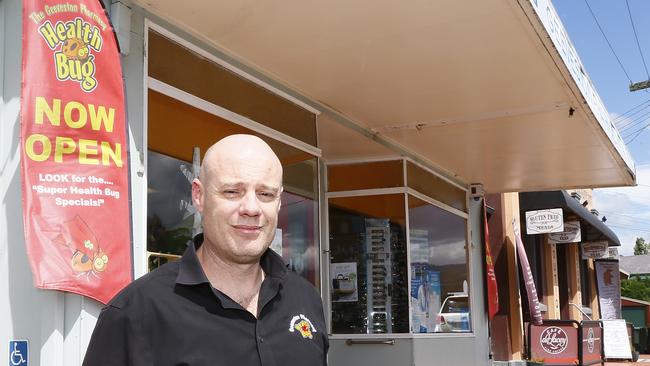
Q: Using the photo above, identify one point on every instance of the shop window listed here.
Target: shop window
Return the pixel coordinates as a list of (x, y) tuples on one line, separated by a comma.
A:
[(182, 68), (368, 264), (438, 247), (170, 218), (372, 235)]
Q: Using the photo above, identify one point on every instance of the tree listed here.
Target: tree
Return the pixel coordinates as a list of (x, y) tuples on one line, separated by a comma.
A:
[(641, 247), (636, 288)]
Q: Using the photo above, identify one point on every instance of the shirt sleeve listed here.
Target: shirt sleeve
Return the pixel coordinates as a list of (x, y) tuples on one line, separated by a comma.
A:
[(117, 340)]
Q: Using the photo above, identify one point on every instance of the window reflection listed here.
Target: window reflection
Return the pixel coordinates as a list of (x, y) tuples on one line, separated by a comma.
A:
[(439, 297), (170, 215), (169, 219)]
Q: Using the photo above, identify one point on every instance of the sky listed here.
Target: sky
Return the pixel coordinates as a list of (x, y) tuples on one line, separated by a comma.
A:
[(627, 209)]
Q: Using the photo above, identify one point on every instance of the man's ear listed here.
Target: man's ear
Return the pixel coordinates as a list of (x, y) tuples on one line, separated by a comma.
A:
[(197, 195)]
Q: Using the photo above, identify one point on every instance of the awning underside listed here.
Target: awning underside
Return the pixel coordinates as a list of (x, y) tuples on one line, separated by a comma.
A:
[(471, 89)]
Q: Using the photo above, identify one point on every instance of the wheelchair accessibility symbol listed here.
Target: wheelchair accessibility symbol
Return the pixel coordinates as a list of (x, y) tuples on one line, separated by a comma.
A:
[(18, 352)]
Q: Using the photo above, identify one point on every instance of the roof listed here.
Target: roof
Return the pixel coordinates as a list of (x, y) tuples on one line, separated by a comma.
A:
[(635, 300), (591, 227), (635, 264)]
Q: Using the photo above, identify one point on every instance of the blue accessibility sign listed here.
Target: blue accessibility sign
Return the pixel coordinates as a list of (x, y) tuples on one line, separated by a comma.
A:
[(18, 353)]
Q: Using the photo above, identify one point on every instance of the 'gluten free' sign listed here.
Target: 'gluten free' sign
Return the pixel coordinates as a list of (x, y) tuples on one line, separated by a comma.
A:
[(544, 221)]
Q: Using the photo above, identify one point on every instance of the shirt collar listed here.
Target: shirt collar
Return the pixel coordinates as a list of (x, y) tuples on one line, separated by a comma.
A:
[(191, 272)]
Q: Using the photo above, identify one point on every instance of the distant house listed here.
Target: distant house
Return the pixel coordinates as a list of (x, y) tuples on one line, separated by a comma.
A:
[(636, 312), (635, 266)]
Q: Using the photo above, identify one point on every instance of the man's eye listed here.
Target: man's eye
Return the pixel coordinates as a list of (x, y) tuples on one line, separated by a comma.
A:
[(267, 194), (230, 192)]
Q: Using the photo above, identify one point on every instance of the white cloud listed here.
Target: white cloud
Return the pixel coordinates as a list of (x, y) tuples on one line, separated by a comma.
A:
[(627, 210)]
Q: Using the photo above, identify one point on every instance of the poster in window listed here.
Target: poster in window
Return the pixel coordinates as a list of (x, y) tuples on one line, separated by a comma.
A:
[(344, 282)]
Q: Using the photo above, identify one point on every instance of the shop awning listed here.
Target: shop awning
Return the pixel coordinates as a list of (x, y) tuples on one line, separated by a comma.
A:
[(489, 91), (592, 228)]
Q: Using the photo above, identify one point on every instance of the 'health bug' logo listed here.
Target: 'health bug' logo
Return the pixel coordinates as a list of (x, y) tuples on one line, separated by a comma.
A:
[(74, 60)]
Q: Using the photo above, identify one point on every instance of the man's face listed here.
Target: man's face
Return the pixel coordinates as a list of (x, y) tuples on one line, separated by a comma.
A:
[(239, 200)]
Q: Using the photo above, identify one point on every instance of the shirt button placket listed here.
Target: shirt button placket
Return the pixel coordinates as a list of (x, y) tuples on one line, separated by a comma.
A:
[(263, 349)]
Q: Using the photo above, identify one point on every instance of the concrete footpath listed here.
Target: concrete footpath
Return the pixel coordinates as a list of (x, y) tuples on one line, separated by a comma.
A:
[(643, 360)]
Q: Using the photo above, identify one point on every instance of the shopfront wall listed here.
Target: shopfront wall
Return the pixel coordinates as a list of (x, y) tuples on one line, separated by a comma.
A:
[(163, 157)]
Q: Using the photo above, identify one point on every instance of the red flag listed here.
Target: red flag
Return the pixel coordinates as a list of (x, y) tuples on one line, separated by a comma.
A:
[(74, 150), (491, 278)]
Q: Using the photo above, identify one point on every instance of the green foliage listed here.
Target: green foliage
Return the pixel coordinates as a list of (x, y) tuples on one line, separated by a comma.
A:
[(641, 247), (636, 288)]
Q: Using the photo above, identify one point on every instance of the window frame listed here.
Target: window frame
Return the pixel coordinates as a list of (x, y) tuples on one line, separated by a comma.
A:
[(140, 251), (406, 191)]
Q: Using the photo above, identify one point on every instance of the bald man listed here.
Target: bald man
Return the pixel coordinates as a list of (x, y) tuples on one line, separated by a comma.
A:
[(229, 300)]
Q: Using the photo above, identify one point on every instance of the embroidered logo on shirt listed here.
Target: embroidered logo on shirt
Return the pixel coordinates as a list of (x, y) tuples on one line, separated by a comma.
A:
[(303, 325)]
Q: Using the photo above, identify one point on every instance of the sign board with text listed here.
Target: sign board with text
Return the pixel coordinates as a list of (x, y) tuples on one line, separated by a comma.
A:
[(74, 162), (595, 249), (608, 281), (616, 343), (571, 234), (556, 342), (544, 221)]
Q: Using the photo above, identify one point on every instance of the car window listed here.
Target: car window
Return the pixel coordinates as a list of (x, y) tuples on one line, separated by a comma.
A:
[(456, 306)]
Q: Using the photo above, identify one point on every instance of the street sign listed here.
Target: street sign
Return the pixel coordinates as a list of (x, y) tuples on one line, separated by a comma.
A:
[(18, 353)]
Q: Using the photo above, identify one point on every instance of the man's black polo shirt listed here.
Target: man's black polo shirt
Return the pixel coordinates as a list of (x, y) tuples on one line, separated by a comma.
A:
[(173, 316)]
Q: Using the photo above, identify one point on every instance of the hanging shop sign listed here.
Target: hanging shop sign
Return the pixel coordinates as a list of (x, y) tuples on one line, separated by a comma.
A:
[(609, 289), (612, 253), (595, 249), (544, 221), (571, 234), (74, 150)]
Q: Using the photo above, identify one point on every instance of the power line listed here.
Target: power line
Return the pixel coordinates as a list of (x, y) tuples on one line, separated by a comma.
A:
[(633, 122), (635, 134), (634, 138), (629, 228), (622, 116), (637, 39), (608, 43), (629, 217)]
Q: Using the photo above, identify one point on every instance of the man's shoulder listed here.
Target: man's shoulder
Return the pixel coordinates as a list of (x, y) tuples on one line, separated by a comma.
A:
[(159, 281), (299, 285)]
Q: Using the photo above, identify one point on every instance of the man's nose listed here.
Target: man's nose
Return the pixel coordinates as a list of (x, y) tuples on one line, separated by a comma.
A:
[(250, 205)]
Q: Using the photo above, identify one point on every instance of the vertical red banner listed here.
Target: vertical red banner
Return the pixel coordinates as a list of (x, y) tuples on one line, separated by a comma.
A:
[(491, 277), (74, 150)]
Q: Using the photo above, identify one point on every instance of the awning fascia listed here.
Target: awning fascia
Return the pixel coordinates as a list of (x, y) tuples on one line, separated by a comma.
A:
[(592, 228)]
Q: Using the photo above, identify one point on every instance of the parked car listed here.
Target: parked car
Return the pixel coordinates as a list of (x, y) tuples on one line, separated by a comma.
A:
[(454, 314)]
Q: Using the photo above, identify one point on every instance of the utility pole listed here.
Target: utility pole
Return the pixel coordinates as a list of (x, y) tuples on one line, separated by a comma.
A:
[(640, 85)]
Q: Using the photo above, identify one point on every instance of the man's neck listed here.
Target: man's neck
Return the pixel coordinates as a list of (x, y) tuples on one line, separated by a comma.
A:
[(239, 281)]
